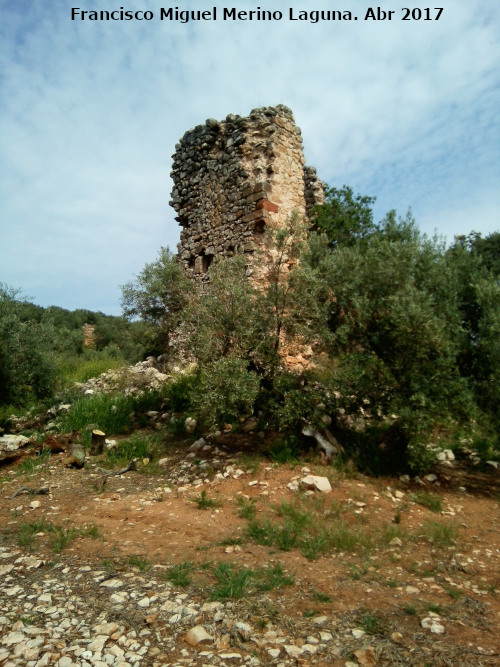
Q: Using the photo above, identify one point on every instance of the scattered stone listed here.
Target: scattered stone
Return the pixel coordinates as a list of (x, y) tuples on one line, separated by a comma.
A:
[(293, 651), (112, 583), (315, 482), (198, 635), (357, 633), (431, 623), (366, 657), (190, 424)]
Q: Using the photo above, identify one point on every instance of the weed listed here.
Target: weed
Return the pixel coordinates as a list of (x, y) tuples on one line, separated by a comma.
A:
[(261, 532), (91, 531), (440, 534), (345, 538), (284, 452), (180, 575), (370, 624), (30, 466), (299, 519), (138, 446), (111, 413), (391, 531), (426, 499), (79, 368), (251, 463), (435, 608), (141, 563), (206, 565), (246, 507), (204, 502), (321, 597), (26, 532), (391, 583), (61, 537), (232, 582), (453, 592), (309, 613), (27, 620), (109, 565), (357, 573), (491, 588), (273, 577), (286, 538), (235, 582), (410, 610), (314, 545)]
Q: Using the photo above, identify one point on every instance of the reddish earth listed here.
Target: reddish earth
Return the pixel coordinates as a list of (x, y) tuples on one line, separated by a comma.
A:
[(394, 583)]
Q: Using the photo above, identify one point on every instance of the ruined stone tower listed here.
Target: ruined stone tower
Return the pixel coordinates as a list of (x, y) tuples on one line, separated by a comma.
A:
[(235, 179)]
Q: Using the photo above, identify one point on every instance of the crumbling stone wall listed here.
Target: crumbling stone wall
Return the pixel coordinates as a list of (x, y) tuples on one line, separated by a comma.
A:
[(235, 179)]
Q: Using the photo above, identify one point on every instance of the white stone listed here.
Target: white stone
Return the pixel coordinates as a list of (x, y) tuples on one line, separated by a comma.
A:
[(357, 633), (315, 482), (292, 650), (98, 643), (190, 424), (320, 620), (432, 624), (198, 635), (112, 583), (13, 638)]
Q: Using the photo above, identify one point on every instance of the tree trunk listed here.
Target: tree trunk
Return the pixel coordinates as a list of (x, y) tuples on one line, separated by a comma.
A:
[(97, 442)]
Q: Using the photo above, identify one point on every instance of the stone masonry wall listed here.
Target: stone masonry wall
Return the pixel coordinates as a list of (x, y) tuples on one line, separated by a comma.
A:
[(235, 179)]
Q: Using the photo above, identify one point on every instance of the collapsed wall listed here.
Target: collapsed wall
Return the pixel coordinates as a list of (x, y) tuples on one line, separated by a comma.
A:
[(236, 179)]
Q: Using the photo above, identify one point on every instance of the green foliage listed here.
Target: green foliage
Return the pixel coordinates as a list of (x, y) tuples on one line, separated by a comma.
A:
[(204, 502), (27, 368), (225, 319), (234, 583), (246, 508), (138, 446), (111, 413), (178, 392), (284, 451), (59, 537), (180, 574), (91, 363), (439, 533), (30, 466), (426, 499), (225, 390), (158, 295), (141, 563), (398, 323), (345, 217)]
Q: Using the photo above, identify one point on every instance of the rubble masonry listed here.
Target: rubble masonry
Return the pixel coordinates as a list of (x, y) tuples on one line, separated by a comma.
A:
[(235, 179)]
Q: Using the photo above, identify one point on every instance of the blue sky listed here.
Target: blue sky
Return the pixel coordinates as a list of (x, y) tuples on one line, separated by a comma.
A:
[(408, 111)]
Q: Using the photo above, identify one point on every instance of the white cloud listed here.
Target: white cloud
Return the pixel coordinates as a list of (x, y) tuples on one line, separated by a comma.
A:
[(407, 111)]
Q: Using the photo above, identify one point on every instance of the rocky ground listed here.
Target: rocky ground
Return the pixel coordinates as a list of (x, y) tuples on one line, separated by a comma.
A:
[(158, 566)]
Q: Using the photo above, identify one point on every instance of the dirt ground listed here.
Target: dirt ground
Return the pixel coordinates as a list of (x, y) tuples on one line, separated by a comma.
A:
[(386, 587)]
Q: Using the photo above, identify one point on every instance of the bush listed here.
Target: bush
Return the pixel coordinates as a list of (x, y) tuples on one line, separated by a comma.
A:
[(225, 390), (111, 413), (27, 365)]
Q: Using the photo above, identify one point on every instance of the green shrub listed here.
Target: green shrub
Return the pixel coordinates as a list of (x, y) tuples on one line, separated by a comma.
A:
[(111, 413), (226, 389)]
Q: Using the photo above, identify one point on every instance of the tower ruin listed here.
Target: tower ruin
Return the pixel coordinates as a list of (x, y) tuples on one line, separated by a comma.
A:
[(236, 179)]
